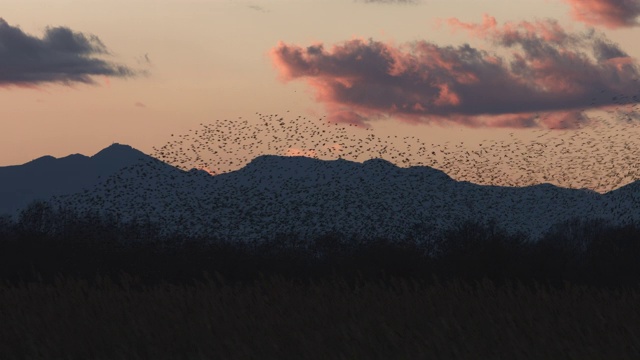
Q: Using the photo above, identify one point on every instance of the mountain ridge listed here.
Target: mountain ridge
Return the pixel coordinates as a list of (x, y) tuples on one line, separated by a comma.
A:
[(47, 176), (276, 194)]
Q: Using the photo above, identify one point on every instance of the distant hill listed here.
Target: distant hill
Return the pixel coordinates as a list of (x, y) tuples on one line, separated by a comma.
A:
[(48, 176), (274, 195)]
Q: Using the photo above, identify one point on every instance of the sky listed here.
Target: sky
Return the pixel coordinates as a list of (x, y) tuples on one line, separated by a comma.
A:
[(79, 75)]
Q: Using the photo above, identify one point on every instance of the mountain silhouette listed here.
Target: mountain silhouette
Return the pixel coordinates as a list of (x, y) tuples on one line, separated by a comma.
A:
[(48, 176), (275, 195)]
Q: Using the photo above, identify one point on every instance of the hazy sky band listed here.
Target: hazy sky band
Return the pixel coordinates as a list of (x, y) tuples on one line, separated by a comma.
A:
[(214, 60)]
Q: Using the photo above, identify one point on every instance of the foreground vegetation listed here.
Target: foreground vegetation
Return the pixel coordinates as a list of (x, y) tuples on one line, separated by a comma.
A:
[(278, 319), (80, 286)]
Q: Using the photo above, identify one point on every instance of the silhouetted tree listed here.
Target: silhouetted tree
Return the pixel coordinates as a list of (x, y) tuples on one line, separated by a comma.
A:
[(7, 226), (613, 256), (575, 235), (39, 218)]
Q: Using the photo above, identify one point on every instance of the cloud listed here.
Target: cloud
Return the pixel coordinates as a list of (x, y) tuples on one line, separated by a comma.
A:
[(612, 14), (551, 77), (60, 56), (144, 60), (258, 8)]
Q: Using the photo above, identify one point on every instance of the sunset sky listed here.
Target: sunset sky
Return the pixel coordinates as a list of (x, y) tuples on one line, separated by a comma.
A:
[(76, 76)]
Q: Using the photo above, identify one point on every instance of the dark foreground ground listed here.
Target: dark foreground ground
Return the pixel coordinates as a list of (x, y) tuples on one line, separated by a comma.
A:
[(86, 288)]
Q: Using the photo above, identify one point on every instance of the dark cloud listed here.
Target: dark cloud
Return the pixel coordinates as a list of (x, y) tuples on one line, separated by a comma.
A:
[(60, 56), (606, 50), (608, 13), (550, 79), (257, 8)]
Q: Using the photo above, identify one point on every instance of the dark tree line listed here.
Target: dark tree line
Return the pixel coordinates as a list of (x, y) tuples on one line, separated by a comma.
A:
[(44, 242)]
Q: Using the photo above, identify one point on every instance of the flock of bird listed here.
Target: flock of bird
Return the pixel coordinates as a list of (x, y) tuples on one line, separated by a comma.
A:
[(373, 186), (600, 156)]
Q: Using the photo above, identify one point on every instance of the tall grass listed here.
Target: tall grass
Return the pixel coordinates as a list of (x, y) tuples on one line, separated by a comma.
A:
[(277, 318), (95, 289)]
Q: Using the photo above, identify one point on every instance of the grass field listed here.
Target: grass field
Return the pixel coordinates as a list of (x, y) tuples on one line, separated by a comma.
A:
[(274, 318), (91, 290)]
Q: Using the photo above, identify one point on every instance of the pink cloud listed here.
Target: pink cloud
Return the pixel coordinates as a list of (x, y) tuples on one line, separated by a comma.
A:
[(488, 23), (612, 14), (550, 78)]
